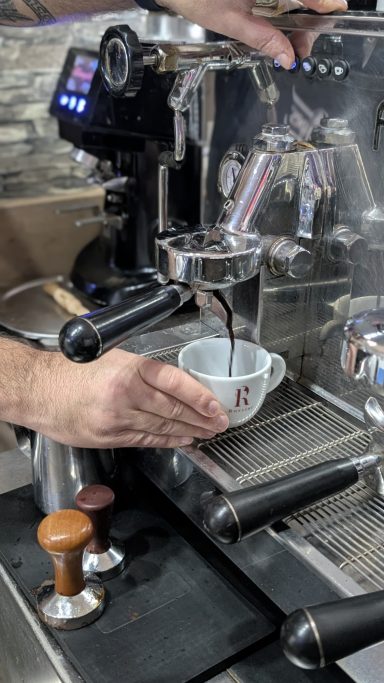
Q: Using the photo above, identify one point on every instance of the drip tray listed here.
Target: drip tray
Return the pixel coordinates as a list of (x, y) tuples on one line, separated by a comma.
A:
[(294, 430)]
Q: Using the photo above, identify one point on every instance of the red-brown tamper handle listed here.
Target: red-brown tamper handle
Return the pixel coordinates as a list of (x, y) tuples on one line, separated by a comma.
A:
[(64, 535), (96, 501)]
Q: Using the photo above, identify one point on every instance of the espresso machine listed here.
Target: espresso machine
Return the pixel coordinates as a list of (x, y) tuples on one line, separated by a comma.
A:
[(287, 510)]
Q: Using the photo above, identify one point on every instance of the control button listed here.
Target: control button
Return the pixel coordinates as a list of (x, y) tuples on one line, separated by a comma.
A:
[(276, 65), (295, 66), (63, 100), (324, 67), (82, 103), (72, 102), (309, 65), (340, 69)]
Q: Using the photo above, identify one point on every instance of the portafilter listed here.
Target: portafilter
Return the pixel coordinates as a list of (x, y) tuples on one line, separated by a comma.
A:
[(230, 517)]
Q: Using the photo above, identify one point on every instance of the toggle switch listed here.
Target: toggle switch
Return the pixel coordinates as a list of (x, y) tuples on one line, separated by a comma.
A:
[(74, 600), (101, 556)]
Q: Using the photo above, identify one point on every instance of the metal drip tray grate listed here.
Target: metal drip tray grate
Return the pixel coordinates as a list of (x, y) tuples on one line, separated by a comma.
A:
[(293, 430)]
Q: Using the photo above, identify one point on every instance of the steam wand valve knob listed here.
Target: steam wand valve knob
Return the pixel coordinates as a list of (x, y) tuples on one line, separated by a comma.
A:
[(101, 556), (74, 600), (121, 61)]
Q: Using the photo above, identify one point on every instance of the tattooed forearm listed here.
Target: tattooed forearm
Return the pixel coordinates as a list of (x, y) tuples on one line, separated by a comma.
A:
[(34, 12), (9, 13), (40, 11)]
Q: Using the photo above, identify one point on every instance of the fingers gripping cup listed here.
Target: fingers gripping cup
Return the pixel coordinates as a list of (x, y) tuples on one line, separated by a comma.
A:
[(255, 372)]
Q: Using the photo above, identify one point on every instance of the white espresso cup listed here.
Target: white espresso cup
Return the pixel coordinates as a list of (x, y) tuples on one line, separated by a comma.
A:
[(255, 372)]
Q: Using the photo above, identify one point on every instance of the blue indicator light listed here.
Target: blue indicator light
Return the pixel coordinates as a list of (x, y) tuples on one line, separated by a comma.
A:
[(81, 105), (72, 102), (307, 66), (63, 100)]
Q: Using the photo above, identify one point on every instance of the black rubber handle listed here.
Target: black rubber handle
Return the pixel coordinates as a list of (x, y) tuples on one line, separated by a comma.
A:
[(233, 516), (86, 337), (315, 636)]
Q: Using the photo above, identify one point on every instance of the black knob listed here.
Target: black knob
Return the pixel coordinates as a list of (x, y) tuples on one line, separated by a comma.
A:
[(340, 69), (121, 61), (324, 67)]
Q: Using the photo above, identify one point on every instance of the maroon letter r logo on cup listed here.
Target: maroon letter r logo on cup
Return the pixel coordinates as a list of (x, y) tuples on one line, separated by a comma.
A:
[(241, 395)]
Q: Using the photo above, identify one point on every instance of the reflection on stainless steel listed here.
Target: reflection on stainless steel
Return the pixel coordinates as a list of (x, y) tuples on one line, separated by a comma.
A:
[(263, 79), (69, 612), (363, 348), (59, 472), (333, 132), (184, 258), (361, 23), (346, 245), (286, 257), (107, 564)]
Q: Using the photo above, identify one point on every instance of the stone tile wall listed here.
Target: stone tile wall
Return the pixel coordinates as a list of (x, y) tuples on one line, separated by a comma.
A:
[(33, 160)]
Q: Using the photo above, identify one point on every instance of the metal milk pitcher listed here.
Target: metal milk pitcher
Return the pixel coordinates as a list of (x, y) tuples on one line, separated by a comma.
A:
[(59, 472)]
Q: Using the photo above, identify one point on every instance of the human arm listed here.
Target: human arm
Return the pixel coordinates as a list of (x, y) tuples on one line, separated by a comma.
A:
[(118, 401), (232, 18)]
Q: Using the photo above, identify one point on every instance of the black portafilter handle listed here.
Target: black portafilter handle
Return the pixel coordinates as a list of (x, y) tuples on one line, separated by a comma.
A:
[(86, 337), (313, 637), (231, 517)]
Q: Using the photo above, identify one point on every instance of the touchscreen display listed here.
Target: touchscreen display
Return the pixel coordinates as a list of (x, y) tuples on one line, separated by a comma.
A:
[(82, 72)]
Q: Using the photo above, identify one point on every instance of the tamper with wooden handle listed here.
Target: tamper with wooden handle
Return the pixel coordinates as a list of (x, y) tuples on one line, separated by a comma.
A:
[(74, 600), (101, 556)]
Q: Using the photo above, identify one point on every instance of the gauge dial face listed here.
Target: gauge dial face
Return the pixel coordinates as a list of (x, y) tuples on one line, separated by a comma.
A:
[(228, 172)]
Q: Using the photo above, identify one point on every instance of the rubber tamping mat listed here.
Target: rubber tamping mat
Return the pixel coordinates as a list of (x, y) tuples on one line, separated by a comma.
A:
[(170, 617)]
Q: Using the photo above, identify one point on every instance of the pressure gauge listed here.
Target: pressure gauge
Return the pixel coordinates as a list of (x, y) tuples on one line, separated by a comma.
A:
[(229, 168)]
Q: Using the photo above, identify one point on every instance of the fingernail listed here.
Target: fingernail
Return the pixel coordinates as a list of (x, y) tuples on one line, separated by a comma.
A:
[(222, 422), (186, 441), (214, 407), (284, 59), (208, 435)]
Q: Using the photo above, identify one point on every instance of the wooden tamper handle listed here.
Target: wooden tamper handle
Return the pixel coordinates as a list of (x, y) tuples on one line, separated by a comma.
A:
[(64, 535), (101, 557), (96, 501)]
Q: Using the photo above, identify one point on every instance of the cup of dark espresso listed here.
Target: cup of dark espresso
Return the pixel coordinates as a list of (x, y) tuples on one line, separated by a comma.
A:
[(255, 372)]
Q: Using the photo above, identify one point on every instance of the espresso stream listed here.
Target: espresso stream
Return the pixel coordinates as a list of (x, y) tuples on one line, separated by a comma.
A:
[(229, 326)]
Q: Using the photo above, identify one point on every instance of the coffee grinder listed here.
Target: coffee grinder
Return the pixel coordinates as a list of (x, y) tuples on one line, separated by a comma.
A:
[(121, 139)]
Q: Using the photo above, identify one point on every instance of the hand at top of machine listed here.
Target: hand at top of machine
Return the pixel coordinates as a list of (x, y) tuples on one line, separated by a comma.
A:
[(240, 20)]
